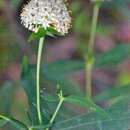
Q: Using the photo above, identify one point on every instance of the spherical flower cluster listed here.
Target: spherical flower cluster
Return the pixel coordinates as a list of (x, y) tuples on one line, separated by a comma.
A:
[(46, 13)]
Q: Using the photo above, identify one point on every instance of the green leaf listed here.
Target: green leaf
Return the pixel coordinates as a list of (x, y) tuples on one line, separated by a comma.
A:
[(113, 92), (6, 93), (50, 98), (87, 103), (60, 68), (52, 32), (114, 56), (120, 120), (56, 72), (15, 123), (68, 87), (34, 36), (39, 127), (121, 100), (110, 58), (3, 123), (42, 33), (28, 84)]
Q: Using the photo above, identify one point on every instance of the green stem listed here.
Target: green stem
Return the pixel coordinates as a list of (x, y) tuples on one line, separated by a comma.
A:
[(90, 58), (89, 80), (57, 110), (94, 26), (5, 118), (30, 129), (41, 42)]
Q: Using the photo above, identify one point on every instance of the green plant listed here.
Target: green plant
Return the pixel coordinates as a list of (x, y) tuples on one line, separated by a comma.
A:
[(45, 109)]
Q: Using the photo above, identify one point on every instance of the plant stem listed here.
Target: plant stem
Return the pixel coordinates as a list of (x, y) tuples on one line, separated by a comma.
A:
[(41, 42), (89, 80), (57, 110), (89, 57), (4, 118), (30, 129)]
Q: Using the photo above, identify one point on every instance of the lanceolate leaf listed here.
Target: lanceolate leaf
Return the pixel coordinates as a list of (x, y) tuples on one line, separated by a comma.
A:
[(114, 56), (19, 125), (113, 92), (57, 73), (39, 127), (50, 98), (87, 103), (60, 68), (120, 120), (42, 32), (110, 58), (15, 123)]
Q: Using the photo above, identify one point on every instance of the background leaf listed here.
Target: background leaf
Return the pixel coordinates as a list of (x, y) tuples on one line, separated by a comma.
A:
[(6, 94), (28, 84), (113, 92), (57, 72), (15, 123), (120, 119), (113, 56), (3, 122), (87, 103)]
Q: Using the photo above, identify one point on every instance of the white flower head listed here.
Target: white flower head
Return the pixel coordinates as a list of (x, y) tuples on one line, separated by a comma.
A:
[(45, 14)]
